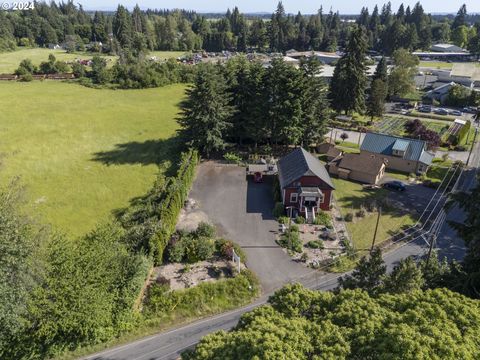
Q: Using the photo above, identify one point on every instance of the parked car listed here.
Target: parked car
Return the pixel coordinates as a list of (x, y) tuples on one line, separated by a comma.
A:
[(455, 112), (470, 110), (425, 109), (441, 111), (395, 185)]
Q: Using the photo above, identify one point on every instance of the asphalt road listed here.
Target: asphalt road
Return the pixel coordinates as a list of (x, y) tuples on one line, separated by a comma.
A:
[(169, 345)]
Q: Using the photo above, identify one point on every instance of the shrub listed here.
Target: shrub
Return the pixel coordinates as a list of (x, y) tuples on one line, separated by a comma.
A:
[(26, 78), (348, 217), (304, 257), (300, 220), (232, 158), (316, 244), (283, 220), (294, 228), (278, 210), (361, 213), (205, 248), (176, 251), (205, 230), (322, 218), (291, 241)]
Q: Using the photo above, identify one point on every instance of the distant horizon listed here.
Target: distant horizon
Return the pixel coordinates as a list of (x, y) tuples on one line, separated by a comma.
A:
[(268, 6)]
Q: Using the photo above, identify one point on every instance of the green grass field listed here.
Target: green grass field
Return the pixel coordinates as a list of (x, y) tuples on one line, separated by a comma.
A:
[(82, 153), (9, 60), (350, 196)]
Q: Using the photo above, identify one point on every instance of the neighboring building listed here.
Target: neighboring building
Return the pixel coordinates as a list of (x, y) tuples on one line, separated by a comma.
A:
[(333, 153), (466, 73), (444, 56), (54, 46), (325, 146), (363, 168), (402, 154), (440, 93), (304, 182), (447, 48), (324, 57)]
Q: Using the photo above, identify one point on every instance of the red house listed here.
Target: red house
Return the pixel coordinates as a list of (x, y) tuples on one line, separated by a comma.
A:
[(305, 183)]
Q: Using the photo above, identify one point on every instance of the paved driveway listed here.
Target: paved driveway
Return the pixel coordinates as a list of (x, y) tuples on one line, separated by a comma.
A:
[(242, 212)]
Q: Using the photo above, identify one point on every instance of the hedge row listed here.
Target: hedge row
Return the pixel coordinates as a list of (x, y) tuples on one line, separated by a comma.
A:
[(175, 192)]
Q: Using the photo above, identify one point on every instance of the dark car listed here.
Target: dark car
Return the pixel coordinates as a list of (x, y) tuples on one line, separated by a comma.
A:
[(395, 185)]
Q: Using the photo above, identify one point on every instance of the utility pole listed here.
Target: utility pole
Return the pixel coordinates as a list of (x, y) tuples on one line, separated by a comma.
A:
[(376, 229), (432, 240)]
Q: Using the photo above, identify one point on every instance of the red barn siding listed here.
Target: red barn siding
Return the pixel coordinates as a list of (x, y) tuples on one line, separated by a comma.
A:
[(308, 181)]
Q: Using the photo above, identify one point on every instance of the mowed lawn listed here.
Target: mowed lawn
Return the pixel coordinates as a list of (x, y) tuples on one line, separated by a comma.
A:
[(350, 196), (82, 153)]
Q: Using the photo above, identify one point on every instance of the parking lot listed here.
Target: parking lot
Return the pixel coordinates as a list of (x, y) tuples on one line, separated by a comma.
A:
[(242, 212)]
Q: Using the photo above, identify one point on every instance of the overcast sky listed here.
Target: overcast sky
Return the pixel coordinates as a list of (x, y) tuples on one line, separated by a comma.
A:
[(291, 6)]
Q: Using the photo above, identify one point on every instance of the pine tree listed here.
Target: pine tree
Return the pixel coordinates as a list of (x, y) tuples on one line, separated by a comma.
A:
[(368, 275), (314, 103), (381, 72), (347, 88), (376, 101), (460, 18), (206, 112)]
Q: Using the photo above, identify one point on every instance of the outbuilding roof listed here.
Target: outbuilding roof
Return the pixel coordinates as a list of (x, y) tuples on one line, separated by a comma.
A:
[(368, 164), (384, 144), (300, 163)]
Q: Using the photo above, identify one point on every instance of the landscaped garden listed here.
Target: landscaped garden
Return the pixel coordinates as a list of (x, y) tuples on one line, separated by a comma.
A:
[(396, 126), (82, 153)]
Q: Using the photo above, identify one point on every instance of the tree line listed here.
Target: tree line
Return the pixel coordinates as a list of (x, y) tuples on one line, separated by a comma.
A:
[(136, 30), (244, 102)]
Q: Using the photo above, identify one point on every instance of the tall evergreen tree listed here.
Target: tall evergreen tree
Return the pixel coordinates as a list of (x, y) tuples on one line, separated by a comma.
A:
[(460, 19), (314, 102), (206, 112), (347, 88)]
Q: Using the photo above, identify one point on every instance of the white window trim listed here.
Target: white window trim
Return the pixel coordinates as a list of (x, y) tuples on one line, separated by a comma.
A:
[(293, 195)]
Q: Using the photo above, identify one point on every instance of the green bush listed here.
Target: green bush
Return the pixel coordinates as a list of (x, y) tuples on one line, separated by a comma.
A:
[(300, 220), (316, 244), (193, 247), (283, 220), (278, 210), (348, 217), (322, 218), (294, 228), (205, 230), (232, 158), (291, 241)]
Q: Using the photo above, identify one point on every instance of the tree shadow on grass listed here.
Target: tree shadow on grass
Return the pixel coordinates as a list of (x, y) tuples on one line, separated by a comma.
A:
[(150, 152)]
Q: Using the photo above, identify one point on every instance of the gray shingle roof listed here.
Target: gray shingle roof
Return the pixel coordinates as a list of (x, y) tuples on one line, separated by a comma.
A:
[(299, 163), (383, 144)]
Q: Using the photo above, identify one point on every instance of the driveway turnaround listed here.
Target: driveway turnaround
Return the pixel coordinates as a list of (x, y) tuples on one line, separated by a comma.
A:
[(242, 212)]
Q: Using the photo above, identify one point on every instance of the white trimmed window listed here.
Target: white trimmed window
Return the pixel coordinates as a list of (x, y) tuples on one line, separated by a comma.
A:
[(321, 199), (293, 197)]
